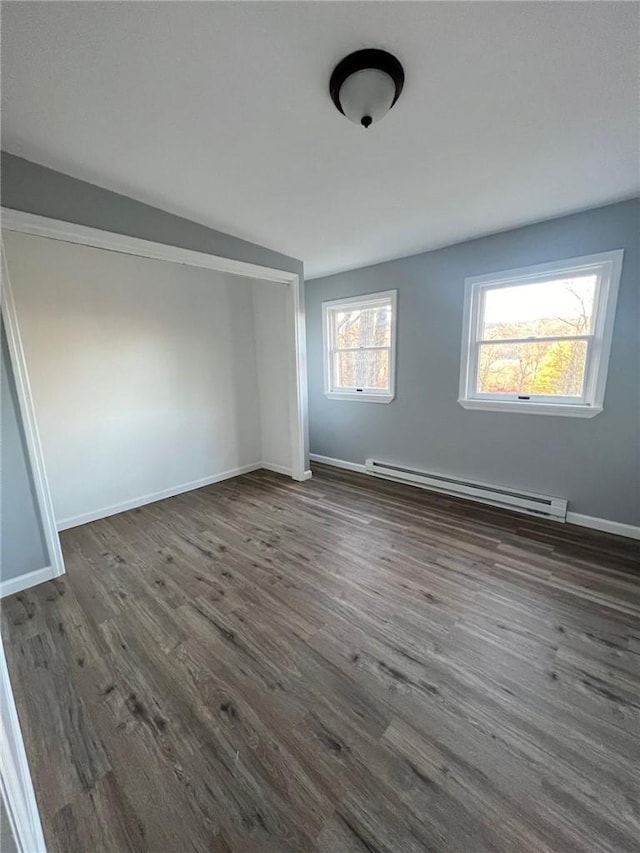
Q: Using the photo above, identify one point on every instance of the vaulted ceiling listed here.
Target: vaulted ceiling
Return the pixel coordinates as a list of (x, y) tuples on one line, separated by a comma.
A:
[(219, 112)]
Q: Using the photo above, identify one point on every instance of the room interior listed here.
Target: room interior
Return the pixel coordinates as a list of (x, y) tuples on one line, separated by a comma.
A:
[(320, 458)]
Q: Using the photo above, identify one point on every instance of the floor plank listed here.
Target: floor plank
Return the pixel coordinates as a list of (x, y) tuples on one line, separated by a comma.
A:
[(343, 665)]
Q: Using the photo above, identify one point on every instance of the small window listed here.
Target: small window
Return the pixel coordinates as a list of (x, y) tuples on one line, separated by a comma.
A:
[(359, 347), (537, 340)]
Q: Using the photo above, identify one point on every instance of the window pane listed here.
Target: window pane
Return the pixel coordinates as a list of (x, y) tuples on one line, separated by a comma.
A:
[(545, 309), (552, 369), (364, 369), (363, 327)]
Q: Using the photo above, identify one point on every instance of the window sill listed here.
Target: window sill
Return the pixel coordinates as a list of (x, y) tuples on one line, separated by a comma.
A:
[(571, 410), (360, 398)]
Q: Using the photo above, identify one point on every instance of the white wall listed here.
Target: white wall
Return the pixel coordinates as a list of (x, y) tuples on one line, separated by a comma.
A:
[(143, 372), (273, 318)]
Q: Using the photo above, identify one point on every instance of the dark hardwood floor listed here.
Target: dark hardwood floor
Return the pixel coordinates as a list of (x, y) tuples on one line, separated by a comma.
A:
[(341, 665)]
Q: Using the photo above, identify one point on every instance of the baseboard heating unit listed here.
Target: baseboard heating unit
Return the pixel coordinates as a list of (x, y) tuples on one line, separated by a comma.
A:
[(529, 503)]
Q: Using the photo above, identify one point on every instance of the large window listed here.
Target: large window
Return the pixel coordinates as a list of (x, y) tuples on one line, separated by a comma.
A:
[(537, 339), (359, 347)]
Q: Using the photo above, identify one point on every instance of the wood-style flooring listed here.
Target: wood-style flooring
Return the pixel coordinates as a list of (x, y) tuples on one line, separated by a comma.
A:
[(341, 665)]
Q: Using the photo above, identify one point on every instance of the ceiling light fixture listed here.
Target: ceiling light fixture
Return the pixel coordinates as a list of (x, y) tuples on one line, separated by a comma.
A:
[(366, 84)]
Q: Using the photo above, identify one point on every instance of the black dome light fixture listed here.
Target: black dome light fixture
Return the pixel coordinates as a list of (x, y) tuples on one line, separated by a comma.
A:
[(366, 84)]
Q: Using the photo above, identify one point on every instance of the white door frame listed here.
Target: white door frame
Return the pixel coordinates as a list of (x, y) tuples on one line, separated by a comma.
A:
[(27, 414), (54, 229), (16, 787)]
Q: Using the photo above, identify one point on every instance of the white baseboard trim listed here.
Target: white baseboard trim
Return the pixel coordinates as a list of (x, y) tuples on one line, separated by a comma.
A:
[(277, 469), (603, 524), (15, 779), (11, 585), (338, 463), (630, 530), (134, 503)]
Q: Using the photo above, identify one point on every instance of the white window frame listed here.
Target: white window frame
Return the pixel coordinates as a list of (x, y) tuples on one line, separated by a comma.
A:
[(608, 266), (356, 303)]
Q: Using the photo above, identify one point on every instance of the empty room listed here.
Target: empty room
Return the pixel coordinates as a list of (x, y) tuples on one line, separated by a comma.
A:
[(320, 427)]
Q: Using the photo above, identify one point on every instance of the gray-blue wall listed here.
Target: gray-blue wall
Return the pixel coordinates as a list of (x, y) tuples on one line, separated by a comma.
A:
[(23, 547), (595, 463)]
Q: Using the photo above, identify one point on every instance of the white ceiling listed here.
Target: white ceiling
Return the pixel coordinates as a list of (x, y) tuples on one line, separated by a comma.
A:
[(511, 113)]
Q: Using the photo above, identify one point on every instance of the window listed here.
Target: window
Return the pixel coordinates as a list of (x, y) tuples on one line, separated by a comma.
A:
[(359, 347), (537, 339)]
